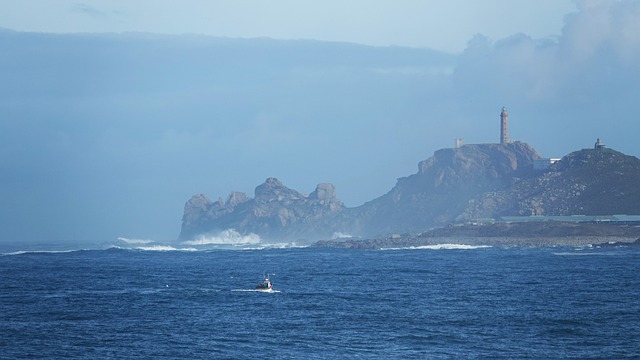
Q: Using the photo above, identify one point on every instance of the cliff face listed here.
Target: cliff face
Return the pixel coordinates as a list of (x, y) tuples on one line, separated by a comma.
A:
[(453, 186), (442, 188), (585, 182)]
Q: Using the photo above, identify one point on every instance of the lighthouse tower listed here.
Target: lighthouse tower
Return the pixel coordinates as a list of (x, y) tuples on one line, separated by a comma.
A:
[(504, 133)]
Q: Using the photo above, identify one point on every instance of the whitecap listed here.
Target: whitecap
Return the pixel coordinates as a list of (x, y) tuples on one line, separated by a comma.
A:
[(226, 237), (134, 241), (164, 248), (23, 252), (582, 253), (441, 247)]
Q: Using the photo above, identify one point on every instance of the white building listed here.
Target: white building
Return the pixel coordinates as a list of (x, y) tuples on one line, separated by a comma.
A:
[(544, 163)]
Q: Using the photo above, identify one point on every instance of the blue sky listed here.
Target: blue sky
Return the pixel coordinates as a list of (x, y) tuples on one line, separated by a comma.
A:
[(441, 25), (107, 135)]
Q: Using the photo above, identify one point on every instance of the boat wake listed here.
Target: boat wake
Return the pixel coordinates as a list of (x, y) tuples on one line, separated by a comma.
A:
[(257, 290)]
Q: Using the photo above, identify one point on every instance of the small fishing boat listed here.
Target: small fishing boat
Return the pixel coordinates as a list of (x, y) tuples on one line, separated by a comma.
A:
[(265, 285)]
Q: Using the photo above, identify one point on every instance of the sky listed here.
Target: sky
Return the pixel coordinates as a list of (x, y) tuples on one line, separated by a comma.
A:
[(441, 25), (114, 113)]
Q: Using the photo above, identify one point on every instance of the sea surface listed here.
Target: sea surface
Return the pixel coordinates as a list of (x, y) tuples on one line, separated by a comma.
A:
[(433, 302)]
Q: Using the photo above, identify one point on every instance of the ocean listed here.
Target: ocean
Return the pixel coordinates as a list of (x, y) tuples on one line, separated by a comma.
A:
[(425, 303)]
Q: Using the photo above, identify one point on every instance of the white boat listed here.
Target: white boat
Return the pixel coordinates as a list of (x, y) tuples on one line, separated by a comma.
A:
[(265, 285)]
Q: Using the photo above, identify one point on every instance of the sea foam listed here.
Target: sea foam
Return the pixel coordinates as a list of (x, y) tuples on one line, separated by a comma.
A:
[(441, 247), (226, 237), (164, 248), (134, 241)]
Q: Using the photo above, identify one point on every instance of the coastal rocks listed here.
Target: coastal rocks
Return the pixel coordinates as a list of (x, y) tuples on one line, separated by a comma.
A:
[(276, 212), (325, 193), (199, 210), (614, 244), (549, 233), (585, 182), (195, 210), (274, 190)]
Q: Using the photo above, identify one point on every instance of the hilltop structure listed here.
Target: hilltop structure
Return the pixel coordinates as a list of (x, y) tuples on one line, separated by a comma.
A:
[(504, 131)]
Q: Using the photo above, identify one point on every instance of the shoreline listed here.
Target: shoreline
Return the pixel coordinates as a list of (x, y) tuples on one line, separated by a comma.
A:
[(518, 234), (500, 242)]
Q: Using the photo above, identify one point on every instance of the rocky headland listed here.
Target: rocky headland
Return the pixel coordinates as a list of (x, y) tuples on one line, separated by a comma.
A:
[(444, 201)]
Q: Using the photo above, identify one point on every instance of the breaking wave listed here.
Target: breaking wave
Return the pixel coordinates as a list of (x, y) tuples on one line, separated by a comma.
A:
[(226, 240), (26, 252), (226, 237), (134, 241), (164, 248), (607, 253), (148, 245)]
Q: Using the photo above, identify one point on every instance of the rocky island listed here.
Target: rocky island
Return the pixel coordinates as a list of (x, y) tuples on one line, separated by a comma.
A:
[(489, 194), (275, 212)]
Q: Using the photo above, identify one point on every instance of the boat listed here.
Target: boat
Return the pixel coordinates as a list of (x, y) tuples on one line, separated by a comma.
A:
[(265, 285)]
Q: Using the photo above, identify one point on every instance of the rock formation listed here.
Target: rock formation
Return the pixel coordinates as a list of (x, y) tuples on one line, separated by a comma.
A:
[(276, 212), (453, 186)]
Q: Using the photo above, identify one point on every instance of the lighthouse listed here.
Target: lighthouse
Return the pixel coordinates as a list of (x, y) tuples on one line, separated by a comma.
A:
[(504, 133)]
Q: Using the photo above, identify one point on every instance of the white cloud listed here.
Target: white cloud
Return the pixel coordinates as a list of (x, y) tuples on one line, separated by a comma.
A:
[(599, 45)]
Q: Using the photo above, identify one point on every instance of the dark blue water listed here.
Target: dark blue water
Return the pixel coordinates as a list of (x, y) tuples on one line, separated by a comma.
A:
[(400, 304)]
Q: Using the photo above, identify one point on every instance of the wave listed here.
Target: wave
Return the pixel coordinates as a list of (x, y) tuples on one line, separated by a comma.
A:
[(226, 237), (24, 252), (441, 247), (150, 245), (135, 241), (215, 247), (110, 248), (290, 245), (164, 248), (608, 253)]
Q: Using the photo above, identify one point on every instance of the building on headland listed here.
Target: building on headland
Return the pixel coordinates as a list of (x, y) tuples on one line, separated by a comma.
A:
[(544, 163), (599, 144), (504, 131), (458, 143)]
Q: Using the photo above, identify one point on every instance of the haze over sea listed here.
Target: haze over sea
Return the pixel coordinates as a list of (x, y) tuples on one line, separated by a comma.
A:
[(434, 302)]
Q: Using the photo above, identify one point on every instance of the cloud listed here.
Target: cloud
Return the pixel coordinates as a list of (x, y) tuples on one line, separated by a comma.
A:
[(596, 54), (603, 28), (88, 10)]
